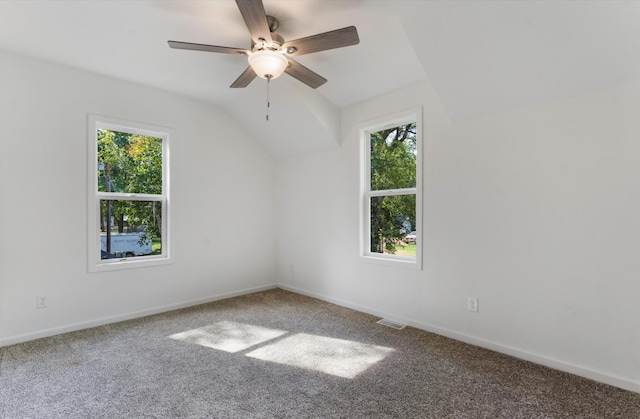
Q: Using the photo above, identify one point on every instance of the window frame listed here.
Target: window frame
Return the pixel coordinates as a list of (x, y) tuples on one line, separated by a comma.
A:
[(95, 262), (389, 121)]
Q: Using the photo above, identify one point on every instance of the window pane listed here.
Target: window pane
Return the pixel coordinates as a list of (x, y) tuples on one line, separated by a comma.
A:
[(393, 225), (393, 158), (129, 163), (130, 228)]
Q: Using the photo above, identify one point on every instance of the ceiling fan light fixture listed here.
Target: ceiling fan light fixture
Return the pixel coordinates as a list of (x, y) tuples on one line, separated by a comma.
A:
[(268, 64)]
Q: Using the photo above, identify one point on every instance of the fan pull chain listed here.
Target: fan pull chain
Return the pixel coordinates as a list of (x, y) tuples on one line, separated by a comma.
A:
[(268, 94)]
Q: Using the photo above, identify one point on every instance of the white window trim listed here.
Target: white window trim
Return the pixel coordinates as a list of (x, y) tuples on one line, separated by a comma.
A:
[(389, 121), (96, 264)]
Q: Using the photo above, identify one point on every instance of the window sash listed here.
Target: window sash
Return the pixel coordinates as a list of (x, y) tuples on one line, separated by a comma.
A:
[(367, 249), (116, 196), (163, 229), (393, 192), (96, 123)]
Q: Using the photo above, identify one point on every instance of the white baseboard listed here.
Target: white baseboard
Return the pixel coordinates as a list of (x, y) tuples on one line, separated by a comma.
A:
[(582, 371), (127, 316)]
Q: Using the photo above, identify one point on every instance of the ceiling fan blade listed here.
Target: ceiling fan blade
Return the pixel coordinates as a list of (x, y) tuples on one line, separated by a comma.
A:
[(245, 78), (208, 48), (255, 18), (323, 41), (302, 73)]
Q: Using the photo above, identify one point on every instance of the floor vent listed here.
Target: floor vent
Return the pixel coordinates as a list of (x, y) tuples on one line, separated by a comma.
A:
[(385, 322)]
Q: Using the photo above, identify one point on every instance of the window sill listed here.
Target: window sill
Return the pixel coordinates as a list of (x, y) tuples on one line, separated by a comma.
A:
[(391, 261), (129, 263)]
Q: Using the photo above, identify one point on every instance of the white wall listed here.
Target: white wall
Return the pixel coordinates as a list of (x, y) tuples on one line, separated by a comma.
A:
[(535, 211), (222, 193)]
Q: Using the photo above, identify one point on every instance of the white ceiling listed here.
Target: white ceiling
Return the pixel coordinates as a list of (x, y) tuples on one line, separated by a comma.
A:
[(482, 57)]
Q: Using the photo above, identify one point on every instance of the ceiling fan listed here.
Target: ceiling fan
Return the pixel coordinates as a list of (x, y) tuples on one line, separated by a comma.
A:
[(270, 55)]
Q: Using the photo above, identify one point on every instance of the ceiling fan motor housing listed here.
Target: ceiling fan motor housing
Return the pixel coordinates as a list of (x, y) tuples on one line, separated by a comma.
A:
[(276, 43)]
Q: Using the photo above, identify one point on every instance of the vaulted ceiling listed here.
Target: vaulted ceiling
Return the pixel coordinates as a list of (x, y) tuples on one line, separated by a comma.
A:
[(481, 57)]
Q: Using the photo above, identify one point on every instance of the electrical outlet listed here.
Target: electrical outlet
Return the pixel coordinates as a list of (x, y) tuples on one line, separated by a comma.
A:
[(42, 301), (473, 304)]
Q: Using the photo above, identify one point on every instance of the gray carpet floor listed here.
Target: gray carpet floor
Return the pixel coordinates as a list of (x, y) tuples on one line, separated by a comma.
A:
[(276, 354)]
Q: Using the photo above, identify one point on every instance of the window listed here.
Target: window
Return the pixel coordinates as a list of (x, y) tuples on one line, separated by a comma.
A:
[(128, 194), (391, 190)]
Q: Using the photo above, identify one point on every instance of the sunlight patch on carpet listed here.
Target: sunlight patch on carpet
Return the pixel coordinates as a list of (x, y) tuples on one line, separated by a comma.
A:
[(228, 336), (338, 357)]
